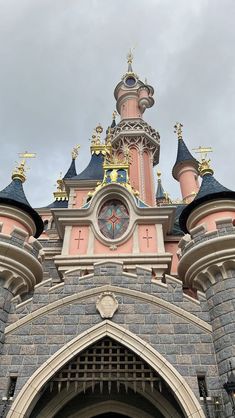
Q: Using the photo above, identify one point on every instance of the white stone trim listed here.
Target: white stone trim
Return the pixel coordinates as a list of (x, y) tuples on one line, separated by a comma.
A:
[(117, 291), (183, 393)]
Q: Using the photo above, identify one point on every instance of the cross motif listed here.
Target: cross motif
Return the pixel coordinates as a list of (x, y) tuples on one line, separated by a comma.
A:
[(147, 237), (79, 239)]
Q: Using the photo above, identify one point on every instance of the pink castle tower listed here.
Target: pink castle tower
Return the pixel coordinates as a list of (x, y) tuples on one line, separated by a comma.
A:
[(133, 97), (185, 169)]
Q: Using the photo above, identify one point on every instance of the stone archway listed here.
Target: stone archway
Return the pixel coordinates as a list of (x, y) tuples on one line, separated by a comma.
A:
[(29, 394)]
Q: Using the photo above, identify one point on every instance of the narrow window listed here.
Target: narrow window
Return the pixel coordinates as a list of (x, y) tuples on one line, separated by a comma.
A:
[(11, 387), (45, 225), (201, 379)]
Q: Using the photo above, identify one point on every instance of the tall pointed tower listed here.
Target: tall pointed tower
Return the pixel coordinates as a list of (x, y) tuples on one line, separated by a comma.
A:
[(133, 97)]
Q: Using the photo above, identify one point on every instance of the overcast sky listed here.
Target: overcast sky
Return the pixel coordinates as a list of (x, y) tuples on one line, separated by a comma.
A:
[(60, 61)]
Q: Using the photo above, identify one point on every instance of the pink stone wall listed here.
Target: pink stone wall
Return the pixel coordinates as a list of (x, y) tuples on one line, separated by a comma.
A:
[(130, 109), (125, 248), (79, 240), (148, 179), (9, 224), (135, 169), (147, 238), (172, 248), (80, 198), (188, 182), (209, 220)]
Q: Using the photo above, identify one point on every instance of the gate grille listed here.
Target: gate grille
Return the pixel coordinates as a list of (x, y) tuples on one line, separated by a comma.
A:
[(106, 363)]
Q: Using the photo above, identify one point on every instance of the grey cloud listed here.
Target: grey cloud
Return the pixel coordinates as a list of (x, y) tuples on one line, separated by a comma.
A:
[(61, 60)]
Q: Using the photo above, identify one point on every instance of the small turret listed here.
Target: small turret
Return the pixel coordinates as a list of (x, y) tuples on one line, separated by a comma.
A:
[(162, 197), (132, 95), (20, 253), (185, 169)]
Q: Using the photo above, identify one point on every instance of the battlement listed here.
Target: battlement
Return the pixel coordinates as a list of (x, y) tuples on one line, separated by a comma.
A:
[(199, 234)]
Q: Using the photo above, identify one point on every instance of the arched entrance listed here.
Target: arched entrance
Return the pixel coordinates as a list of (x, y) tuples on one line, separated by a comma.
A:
[(175, 400), (106, 371)]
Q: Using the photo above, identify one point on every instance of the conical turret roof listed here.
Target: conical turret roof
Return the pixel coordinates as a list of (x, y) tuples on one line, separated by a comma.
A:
[(71, 171), (183, 156), (13, 195), (210, 189)]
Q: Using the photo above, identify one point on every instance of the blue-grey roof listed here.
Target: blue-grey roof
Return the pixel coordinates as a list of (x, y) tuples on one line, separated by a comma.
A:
[(14, 195), (71, 171), (176, 230), (183, 156), (94, 170), (160, 194), (58, 204), (210, 189)]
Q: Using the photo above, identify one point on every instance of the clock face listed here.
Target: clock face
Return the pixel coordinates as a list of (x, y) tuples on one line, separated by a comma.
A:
[(113, 219), (130, 81)]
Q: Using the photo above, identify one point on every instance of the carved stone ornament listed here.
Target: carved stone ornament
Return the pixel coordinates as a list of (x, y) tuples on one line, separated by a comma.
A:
[(107, 305)]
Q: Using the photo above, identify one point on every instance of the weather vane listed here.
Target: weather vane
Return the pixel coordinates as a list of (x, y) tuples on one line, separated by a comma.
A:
[(203, 151), (19, 171)]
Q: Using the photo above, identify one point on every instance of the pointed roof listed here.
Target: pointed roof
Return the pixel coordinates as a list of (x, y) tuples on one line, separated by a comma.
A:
[(13, 195), (94, 170), (71, 171), (160, 193), (210, 190), (183, 154)]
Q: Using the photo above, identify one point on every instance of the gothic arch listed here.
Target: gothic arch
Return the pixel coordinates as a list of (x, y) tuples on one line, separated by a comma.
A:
[(28, 394)]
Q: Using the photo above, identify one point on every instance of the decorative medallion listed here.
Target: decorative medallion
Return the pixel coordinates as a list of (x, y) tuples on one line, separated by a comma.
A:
[(113, 219), (107, 305)]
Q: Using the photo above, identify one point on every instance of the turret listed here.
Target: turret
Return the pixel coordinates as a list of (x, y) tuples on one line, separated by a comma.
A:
[(208, 261), (133, 97), (20, 252), (162, 198), (185, 169)]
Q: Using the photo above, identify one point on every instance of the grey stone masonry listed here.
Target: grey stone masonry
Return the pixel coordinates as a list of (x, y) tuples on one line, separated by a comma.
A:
[(174, 324), (5, 305)]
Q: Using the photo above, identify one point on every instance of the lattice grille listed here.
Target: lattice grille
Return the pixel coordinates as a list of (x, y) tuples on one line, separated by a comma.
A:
[(106, 362)]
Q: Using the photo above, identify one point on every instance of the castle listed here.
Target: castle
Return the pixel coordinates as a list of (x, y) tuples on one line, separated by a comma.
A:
[(115, 300)]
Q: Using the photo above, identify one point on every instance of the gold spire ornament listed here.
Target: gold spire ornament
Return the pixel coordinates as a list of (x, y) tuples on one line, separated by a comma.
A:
[(204, 165), (130, 56), (75, 152), (178, 130), (19, 172), (60, 193)]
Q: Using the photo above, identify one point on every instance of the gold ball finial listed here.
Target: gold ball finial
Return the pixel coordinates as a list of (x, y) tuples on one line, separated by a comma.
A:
[(159, 174), (99, 129), (114, 114), (178, 130)]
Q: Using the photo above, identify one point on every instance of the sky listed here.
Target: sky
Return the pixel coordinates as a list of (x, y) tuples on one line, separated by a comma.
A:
[(60, 61)]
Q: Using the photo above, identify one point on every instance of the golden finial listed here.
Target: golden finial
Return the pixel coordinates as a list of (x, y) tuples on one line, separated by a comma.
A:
[(99, 131), (114, 114), (204, 165), (75, 152), (178, 130), (159, 174), (19, 172), (60, 193), (130, 56)]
